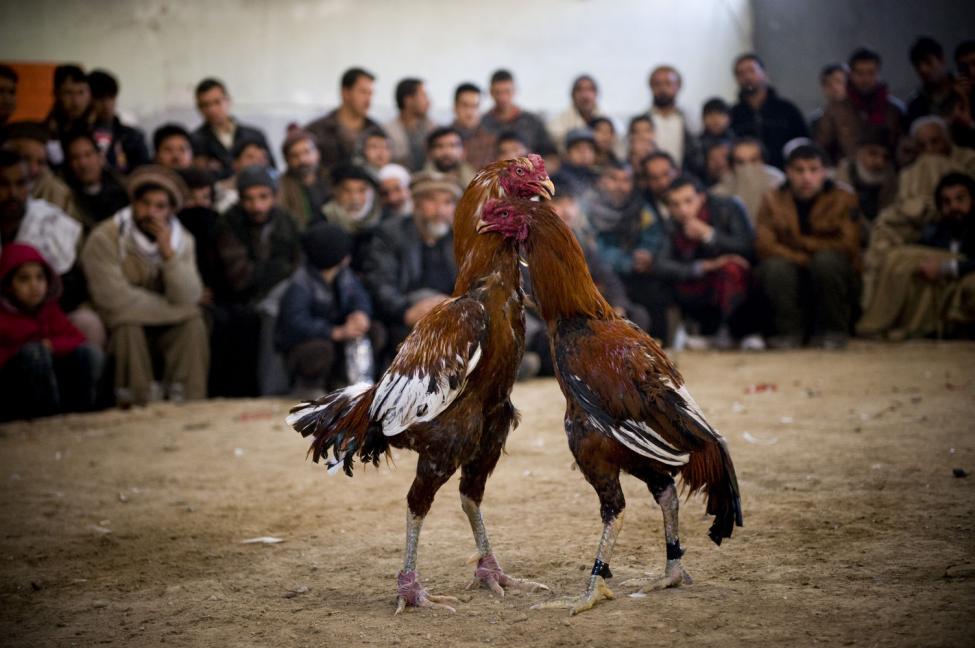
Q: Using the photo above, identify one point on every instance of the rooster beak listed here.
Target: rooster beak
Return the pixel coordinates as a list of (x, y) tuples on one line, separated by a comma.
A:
[(482, 226), (549, 188)]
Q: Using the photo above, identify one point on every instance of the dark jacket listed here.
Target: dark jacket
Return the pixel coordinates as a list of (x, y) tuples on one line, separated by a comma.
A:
[(127, 148), (620, 231), (310, 308), (94, 208), (732, 235), (334, 143), (527, 126), (255, 258), (205, 142), (775, 122), (393, 264), (942, 233)]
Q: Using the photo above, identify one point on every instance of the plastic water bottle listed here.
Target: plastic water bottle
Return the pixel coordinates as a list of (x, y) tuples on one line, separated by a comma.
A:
[(359, 365)]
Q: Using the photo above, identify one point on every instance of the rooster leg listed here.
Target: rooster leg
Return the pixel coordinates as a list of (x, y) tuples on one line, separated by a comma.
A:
[(674, 573), (410, 591)]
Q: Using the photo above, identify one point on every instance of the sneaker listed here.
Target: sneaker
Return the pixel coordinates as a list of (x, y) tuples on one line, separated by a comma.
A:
[(784, 342), (696, 343), (753, 342), (722, 340), (531, 364)]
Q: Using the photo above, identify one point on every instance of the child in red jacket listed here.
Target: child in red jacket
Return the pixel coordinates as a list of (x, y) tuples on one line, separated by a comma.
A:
[(45, 366)]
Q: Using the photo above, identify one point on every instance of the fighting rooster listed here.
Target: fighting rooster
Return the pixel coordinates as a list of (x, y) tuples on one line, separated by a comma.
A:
[(446, 394), (627, 406)]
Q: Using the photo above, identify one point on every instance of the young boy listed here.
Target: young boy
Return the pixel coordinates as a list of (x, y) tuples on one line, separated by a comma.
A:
[(716, 116), (45, 365), (324, 310)]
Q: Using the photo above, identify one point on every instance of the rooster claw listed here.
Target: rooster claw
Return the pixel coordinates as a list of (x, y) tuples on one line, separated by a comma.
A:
[(674, 576), (490, 575), (598, 591), (413, 594)]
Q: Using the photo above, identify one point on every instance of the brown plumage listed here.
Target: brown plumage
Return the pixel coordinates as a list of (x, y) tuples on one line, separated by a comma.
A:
[(446, 394), (627, 406)]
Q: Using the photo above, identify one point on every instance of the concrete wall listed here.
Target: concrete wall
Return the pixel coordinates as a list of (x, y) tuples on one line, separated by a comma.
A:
[(282, 59), (796, 38)]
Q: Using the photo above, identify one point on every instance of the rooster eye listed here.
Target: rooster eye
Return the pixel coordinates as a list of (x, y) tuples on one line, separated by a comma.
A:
[(504, 214), (520, 171)]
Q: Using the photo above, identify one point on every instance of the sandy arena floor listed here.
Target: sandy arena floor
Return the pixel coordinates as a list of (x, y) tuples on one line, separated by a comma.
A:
[(126, 528)]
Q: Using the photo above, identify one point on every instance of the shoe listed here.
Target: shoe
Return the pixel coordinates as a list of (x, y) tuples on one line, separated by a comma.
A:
[(722, 340), (531, 364), (831, 341), (783, 342), (696, 343), (753, 342)]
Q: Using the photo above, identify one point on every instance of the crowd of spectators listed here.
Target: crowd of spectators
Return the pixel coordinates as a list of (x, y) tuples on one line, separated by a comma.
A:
[(186, 264)]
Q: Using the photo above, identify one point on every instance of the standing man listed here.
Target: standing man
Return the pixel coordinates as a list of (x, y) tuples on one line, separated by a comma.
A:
[(479, 143), (8, 93), (220, 131), (582, 111), (124, 147), (761, 113), (670, 125), (508, 116), (338, 131), (408, 132)]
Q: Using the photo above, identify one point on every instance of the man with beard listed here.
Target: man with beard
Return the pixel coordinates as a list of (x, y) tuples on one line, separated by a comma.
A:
[(354, 207), (672, 134), (750, 178), (124, 147), (409, 266), (871, 173), (659, 170), (337, 132), (98, 190), (809, 244), (29, 141), (761, 113), (141, 270), (580, 114), (479, 143), (445, 154), (868, 103), (629, 235), (394, 191), (305, 187), (409, 130), (928, 287)]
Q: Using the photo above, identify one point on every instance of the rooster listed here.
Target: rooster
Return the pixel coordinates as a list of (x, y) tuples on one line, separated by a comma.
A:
[(446, 395), (627, 406)]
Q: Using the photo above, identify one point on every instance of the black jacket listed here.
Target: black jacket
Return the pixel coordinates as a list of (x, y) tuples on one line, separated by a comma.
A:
[(733, 234), (127, 149), (941, 233), (205, 142), (775, 123), (310, 308)]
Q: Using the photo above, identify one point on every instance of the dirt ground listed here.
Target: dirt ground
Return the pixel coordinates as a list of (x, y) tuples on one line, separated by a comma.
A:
[(125, 528)]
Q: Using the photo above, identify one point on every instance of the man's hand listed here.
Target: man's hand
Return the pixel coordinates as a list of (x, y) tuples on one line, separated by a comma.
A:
[(162, 230), (710, 265), (642, 260), (357, 324), (930, 269), (417, 311), (697, 230), (206, 297)]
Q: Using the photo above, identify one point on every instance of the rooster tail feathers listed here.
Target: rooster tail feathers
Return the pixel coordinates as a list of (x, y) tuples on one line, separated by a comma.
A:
[(338, 421), (710, 469)]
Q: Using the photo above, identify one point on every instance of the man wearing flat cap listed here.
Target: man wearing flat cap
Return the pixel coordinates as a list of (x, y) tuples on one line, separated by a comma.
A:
[(142, 275), (355, 207)]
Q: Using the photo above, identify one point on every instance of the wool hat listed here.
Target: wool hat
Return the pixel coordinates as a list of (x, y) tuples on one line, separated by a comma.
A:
[(425, 181), (345, 172), (254, 176), (577, 135), (167, 179), (325, 245)]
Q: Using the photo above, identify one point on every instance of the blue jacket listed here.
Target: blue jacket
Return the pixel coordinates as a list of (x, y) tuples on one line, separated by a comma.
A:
[(310, 308)]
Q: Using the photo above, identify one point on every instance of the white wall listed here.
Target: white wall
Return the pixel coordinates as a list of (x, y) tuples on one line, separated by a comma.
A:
[(282, 59)]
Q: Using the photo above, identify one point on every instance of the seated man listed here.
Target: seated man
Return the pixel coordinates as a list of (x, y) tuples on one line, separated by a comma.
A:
[(870, 172), (445, 154), (750, 178), (809, 244), (173, 147), (305, 187), (409, 265), (258, 246), (607, 143), (141, 270), (98, 191), (707, 260), (628, 235), (716, 119), (509, 145), (374, 150), (323, 311), (928, 288), (220, 131), (124, 147), (579, 162), (355, 207), (29, 141), (394, 191)]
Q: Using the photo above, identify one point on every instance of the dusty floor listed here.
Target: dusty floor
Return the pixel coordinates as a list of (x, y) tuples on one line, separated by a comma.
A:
[(126, 528)]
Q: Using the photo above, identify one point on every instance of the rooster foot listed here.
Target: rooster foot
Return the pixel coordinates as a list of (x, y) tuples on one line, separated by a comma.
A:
[(490, 575), (597, 591), (412, 594), (674, 576)]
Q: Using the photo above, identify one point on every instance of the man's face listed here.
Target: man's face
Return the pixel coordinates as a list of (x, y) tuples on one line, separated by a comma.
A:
[(616, 185), (641, 129), (965, 64), (865, 76), (434, 213), (153, 206), (32, 153), (352, 194), (85, 161), (872, 157), (467, 109), (447, 152), (685, 203), (834, 86), (200, 197), (104, 109), (74, 98), (8, 98), (376, 151), (503, 94), (581, 154), (175, 153), (257, 203), (419, 103), (584, 96), (358, 98), (750, 76), (745, 155), (14, 191), (660, 174), (252, 155), (717, 162), (303, 157), (664, 84), (717, 123), (511, 148), (932, 139), (214, 106), (394, 193), (931, 69), (806, 177), (956, 202), (605, 136)]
